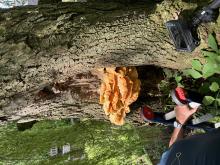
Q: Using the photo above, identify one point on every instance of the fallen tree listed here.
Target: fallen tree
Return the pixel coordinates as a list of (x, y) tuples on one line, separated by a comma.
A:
[(48, 53)]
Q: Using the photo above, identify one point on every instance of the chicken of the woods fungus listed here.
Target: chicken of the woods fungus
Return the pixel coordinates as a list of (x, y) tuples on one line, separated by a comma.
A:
[(119, 88)]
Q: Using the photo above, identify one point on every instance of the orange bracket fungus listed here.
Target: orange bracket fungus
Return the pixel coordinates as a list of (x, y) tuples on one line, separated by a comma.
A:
[(120, 87)]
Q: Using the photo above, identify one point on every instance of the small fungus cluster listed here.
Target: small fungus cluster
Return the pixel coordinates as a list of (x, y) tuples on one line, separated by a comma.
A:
[(120, 87)]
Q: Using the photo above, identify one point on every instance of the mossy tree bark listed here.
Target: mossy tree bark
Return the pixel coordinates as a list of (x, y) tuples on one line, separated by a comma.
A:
[(48, 52)]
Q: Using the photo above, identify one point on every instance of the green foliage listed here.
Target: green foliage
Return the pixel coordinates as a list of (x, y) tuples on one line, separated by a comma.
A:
[(218, 101), (212, 64), (208, 100), (214, 87), (178, 78), (204, 88), (195, 74), (178, 81), (208, 70), (208, 73), (165, 83), (212, 43), (196, 65)]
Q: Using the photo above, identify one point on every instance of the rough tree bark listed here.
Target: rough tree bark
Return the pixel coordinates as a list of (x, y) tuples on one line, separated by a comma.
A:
[(48, 52)]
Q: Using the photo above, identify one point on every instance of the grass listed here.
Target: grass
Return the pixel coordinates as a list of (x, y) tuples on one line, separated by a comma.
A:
[(100, 142)]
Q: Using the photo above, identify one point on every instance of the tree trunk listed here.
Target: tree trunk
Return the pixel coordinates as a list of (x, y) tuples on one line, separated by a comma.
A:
[(48, 53)]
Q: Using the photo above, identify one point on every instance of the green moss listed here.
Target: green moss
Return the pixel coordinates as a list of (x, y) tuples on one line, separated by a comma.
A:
[(2, 30)]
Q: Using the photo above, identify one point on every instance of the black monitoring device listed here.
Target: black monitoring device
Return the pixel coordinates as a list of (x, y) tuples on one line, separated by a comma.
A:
[(184, 33)]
